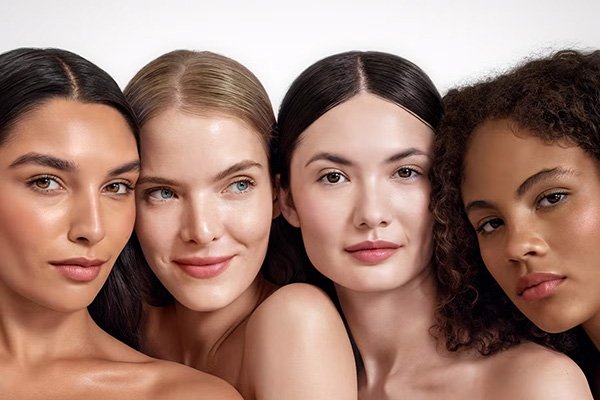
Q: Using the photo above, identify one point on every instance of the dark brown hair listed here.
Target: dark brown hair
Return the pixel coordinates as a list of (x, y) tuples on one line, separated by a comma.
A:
[(29, 78), (556, 98)]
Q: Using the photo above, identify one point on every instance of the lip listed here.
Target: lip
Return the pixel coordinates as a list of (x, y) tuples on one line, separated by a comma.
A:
[(539, 285), (79, 269), (372, 252), (203, 267)]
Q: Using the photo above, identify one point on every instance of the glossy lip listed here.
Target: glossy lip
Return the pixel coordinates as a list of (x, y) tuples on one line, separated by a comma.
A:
[(538, 285), (203, 267), (80, 269), (372, 252)]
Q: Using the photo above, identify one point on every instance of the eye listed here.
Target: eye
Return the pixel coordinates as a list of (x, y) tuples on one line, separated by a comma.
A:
[(489, 226), (551, 199), (406, 172), (160, 194), (240, 186), (45, 183), (118, 188), (333, 178)]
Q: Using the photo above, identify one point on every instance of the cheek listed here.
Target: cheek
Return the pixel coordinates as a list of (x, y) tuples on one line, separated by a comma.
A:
[(120, 220), (249, 221), (155, 228), (24, 224)]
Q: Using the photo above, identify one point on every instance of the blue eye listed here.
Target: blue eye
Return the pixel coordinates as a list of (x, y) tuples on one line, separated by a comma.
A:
[(240, 186), (161, 194)]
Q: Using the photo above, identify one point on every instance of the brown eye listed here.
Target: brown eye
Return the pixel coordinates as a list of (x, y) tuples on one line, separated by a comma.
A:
[(117, 188), (43, 183), (333, 177), (406, 172)]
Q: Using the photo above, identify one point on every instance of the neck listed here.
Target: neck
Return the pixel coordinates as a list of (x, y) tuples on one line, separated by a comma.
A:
[(592, 329), (391, 328), (34, 334), (201, 334)]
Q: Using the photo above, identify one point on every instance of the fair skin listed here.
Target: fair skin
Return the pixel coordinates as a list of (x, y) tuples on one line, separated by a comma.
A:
[(538, 226), (205, 205), (70, 169), (362, 206)]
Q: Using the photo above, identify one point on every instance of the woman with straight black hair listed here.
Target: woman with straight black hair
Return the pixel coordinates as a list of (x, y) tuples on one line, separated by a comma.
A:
[(68, 166), (355, 138)]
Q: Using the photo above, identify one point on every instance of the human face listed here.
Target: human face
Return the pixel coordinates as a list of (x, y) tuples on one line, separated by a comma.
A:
[(360, 194), (535, 208), (205, 205), (69, 168)]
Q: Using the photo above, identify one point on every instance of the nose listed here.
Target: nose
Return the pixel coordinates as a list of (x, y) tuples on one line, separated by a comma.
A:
[(524, 242), (372, 208), (201, 221), (86, 219)]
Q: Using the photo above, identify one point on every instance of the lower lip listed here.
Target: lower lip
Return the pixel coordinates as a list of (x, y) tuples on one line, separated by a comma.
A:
[(541, 291), (205, 271), (78, 273), (372, 256)]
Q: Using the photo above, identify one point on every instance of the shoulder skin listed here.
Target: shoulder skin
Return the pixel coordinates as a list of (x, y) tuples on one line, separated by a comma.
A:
[(297, 348)]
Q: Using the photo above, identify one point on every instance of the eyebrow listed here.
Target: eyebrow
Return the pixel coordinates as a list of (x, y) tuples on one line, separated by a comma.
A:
[(540, 176), (125, 168), (523, 187), (344, 161), (45, 161), (237, 167)]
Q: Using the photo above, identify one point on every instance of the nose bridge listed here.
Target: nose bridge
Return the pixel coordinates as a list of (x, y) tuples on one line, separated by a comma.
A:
[(371, 204), (201, 219), (86, 213), (524, 238)]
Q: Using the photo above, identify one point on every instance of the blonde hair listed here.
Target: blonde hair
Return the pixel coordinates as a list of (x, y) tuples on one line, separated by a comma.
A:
[(199, 83)]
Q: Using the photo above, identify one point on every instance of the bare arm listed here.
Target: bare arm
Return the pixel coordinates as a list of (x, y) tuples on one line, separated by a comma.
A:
[(297, 348)]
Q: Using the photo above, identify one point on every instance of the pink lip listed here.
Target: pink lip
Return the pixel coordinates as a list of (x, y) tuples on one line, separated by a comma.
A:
[(538, 285), (203, 267), (372, 252), (79, 269)]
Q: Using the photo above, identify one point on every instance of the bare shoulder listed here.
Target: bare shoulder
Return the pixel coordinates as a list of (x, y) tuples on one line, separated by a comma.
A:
[(297, 347), (179, 382), (531, 371)]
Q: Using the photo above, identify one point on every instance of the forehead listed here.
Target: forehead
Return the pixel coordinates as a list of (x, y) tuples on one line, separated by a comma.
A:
[(372, 122), (179, 140), (69, 129)]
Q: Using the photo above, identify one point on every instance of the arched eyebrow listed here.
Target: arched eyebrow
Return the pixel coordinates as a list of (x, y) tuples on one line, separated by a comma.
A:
[(44, 160), (335, 158), (551, 173)]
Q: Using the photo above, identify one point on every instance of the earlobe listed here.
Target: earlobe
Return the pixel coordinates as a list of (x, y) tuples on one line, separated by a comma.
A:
[(286, 204)]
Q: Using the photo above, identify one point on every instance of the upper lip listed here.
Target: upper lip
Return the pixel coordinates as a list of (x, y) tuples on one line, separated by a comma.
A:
[(80, 262), (199, 261), (372, 245), (534, 279)]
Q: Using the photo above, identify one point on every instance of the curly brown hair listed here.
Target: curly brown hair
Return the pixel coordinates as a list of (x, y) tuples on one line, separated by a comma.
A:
[(557, 98)]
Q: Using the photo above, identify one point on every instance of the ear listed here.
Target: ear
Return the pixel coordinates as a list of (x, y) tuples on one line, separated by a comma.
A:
[(286, 204)]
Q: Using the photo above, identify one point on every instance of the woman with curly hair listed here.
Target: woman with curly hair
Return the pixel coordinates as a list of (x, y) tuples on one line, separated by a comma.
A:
[(516, 183), (356, 135)]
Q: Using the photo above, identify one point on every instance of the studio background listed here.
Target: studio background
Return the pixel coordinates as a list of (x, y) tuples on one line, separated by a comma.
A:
[(453, 41)]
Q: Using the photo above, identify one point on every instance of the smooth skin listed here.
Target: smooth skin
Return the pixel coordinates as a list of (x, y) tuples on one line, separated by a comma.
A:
[(205, 196), (359, 174), (542, 215), (67, 171)]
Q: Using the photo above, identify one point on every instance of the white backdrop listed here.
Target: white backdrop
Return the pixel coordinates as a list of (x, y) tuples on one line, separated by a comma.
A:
[(453, 41)]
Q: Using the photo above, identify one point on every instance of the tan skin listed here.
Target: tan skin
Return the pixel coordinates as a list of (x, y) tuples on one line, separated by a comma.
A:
[(205, 205), (69, 169), (377, 190), (540, 216)]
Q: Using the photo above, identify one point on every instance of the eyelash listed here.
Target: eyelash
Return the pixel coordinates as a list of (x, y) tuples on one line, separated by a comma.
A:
[(129, 188), (148, 194), (414, 173), (251, 184), (323, 178)]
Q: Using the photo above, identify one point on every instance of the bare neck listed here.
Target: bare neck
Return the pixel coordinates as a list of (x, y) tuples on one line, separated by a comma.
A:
[(592, 329), (198, 336), (35, 334), (391, 329)]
